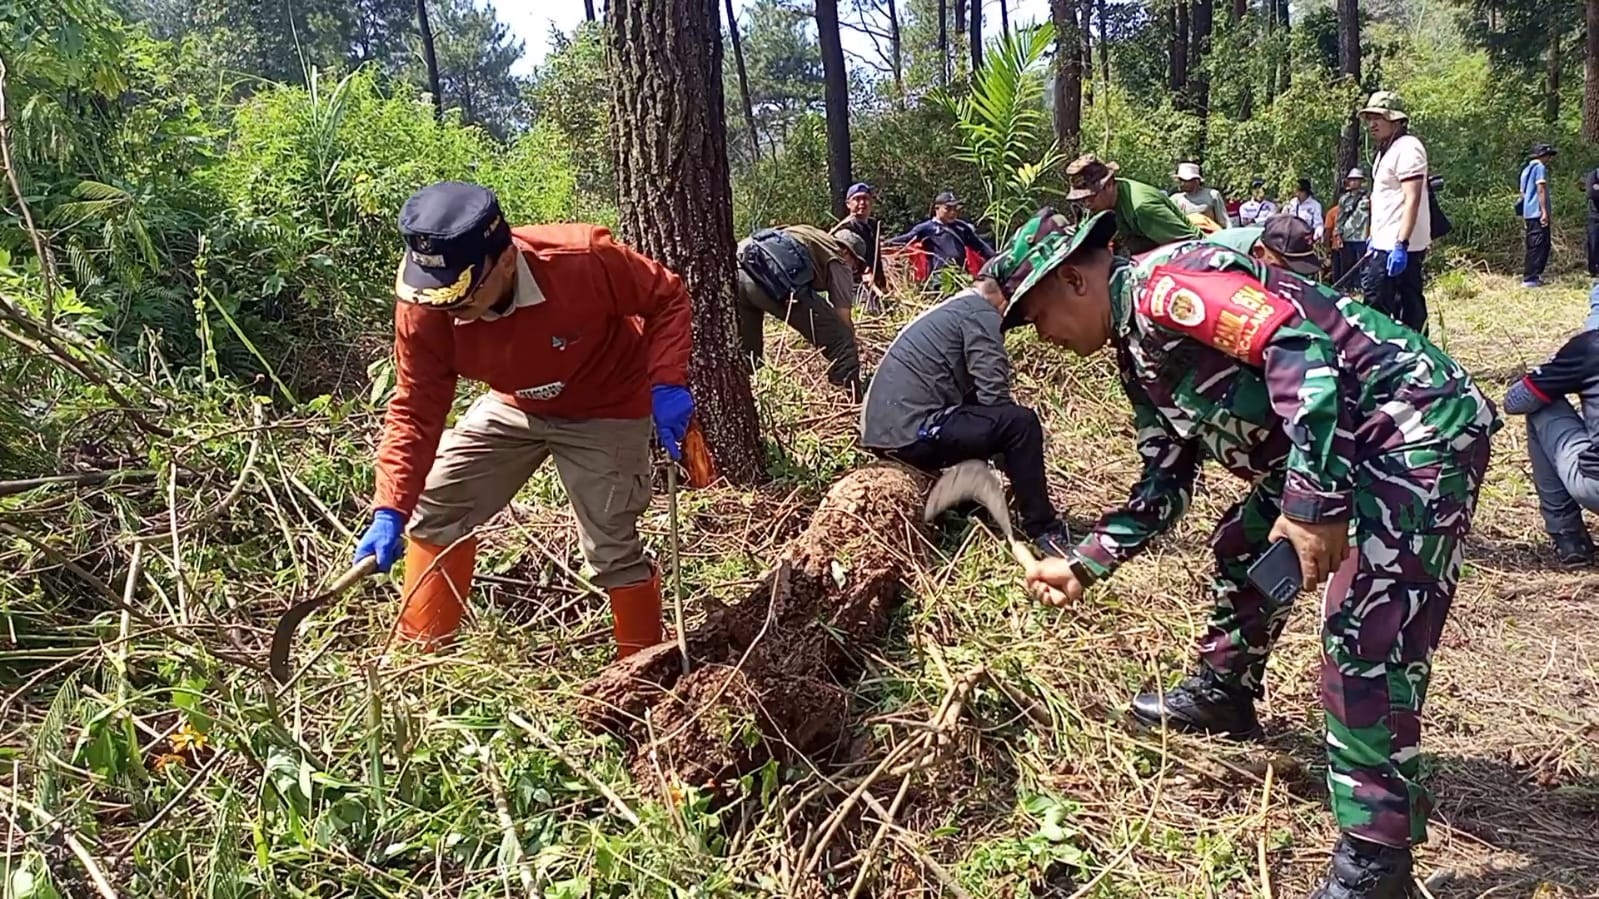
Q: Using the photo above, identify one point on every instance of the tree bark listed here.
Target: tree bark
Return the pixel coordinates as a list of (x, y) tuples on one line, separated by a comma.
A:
[(835, 90), (1068, 77), (943, 41), (1104, 44), (743, 82), (1179, 54), (430, 57), (1349, 68), (588, 10), (675, 196), (1240, 9), (1203, 12), (1004, 17), (1086, 10), (1551, 90), (977, 36), (1590, 68), (896, 50)]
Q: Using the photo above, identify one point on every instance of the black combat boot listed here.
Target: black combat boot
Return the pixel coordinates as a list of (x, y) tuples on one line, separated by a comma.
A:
[(1365, 870), (1202, 704), (1573, 550)]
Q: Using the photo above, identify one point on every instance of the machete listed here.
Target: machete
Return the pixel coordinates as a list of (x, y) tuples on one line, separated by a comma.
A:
[(283, 635)]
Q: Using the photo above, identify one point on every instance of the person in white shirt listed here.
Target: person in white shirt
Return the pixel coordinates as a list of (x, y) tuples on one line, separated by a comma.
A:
[(1256, 209), (1305, 207), (1194, 198), (1401, 225)]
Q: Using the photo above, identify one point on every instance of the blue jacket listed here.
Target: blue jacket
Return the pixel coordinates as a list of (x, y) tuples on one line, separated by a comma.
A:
[(947, 243)]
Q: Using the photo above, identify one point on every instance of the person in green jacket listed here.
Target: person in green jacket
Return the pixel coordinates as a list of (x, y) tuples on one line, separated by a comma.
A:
[(1145, 217)]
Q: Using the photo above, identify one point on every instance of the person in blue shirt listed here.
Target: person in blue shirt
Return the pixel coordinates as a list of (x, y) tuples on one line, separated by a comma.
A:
[(945, 236), (1535, 210)]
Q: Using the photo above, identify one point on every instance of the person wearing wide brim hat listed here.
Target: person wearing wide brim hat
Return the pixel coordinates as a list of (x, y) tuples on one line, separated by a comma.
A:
[(949, 240), (942, 393), (1351, 225), (1145, 217), (1401, 217), (1297, 392), (1194, 198), (582, 343)]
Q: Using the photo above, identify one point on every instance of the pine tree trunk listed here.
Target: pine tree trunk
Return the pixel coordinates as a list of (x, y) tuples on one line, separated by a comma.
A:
[(1239, 10), (896, 50), (430, 57), (743, 82), (1590, 68), (1086, 11), (1104, 44), (588, 10), (1068, 77), (977, 36), (835, 89), (1198, 70), (1179, 54), (943, 41), (675, 196), (1551, 91), (1349, 68), (1284, 67)]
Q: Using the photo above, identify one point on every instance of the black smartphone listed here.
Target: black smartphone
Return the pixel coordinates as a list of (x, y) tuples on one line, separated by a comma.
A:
[(1277, 573)]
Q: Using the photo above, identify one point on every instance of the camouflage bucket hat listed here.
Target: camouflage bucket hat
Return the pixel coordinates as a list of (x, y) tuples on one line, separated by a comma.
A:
[(1387, 105), (1047, 240)]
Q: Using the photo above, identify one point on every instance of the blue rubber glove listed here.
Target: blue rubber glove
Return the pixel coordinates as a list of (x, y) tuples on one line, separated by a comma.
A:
[(672, 407), (1398, 258), (383, 539)]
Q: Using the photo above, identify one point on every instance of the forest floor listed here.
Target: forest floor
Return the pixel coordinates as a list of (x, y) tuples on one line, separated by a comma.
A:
[(383, 772)]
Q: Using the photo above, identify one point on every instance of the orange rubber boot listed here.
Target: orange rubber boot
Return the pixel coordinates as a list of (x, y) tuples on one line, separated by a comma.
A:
[(636, 615), (435, 601)]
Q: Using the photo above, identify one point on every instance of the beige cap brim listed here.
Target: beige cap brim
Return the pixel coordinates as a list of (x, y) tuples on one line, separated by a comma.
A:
[(1389, 114)]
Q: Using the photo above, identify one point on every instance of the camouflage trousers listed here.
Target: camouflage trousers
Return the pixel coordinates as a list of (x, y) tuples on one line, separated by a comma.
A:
[(1382, 616)]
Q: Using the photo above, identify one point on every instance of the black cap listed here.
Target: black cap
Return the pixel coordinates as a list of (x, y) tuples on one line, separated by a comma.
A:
[(1293, 240), (946, 198), (452, 230), (1258, 182), (1543, 150)]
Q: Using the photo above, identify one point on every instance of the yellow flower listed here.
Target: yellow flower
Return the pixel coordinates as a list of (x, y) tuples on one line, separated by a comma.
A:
[(187, 739)]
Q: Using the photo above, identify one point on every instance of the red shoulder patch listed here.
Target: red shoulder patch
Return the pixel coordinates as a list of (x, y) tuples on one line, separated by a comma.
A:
[(1225, 309)]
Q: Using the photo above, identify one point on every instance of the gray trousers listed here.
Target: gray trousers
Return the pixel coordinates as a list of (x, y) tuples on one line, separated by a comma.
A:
[(1556, 437)]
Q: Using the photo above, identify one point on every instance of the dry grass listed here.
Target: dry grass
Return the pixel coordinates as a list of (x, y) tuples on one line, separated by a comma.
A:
[(1080, 806)]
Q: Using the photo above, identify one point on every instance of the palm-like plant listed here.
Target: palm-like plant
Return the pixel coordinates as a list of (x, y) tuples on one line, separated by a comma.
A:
[(1004, 128)]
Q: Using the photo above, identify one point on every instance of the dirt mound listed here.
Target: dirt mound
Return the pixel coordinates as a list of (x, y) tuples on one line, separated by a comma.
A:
[(766, 671)]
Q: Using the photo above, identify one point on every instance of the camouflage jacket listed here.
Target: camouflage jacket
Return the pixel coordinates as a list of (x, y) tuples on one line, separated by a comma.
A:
[(1265, 372)]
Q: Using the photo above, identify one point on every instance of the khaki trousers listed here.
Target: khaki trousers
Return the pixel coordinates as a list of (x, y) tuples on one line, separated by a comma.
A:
[(604, 464)]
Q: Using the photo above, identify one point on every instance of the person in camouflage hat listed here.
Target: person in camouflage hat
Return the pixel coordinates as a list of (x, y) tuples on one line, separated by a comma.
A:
[(942, 393), (1347, 425)]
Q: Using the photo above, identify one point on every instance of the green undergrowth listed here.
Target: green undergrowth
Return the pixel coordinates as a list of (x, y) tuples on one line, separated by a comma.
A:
[(385, 772)]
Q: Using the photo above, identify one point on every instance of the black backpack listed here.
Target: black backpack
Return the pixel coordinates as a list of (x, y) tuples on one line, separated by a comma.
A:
[(777, 262), (1435, 213)]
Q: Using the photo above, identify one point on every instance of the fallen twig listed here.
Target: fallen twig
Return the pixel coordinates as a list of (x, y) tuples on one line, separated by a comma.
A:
[(610, 795)]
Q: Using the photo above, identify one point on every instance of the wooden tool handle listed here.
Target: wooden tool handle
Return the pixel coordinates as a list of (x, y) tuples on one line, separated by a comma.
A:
[(366, 567)]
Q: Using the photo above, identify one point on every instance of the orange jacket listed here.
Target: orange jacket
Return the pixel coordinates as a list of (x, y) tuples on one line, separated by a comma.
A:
[(613, 323)]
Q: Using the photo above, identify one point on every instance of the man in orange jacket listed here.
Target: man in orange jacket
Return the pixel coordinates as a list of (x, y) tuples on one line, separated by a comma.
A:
[(581, 342)]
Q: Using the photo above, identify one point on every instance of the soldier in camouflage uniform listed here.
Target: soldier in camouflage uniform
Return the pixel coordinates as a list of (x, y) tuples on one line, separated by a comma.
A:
[(1344, 423)]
